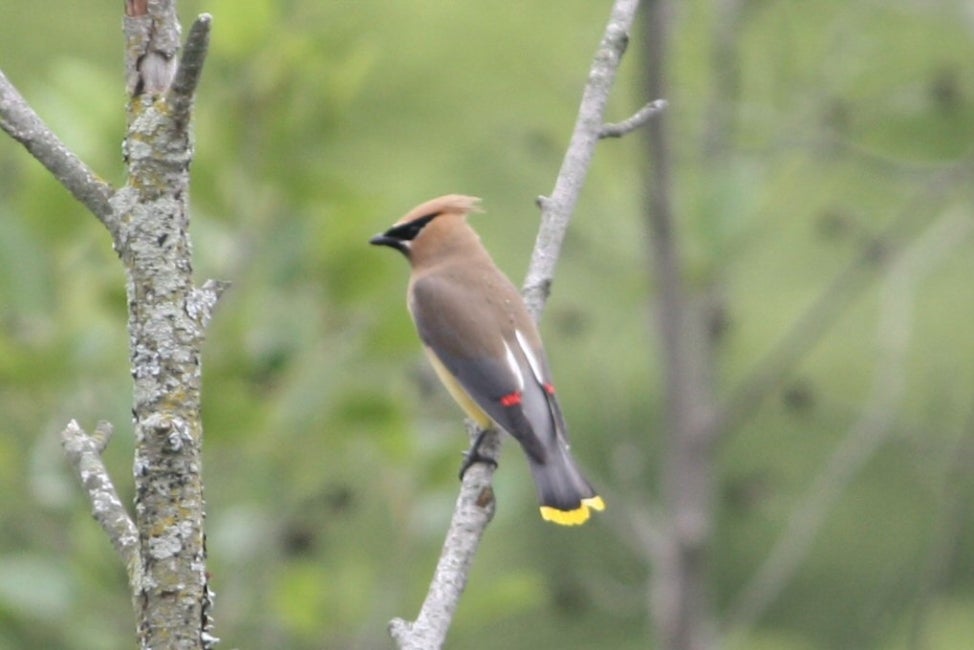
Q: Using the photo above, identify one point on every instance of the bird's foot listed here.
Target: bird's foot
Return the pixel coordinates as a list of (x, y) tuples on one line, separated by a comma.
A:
[(473, 456)]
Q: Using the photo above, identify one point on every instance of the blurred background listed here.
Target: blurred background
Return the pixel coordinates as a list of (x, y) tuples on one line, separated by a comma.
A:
[(821, 166)]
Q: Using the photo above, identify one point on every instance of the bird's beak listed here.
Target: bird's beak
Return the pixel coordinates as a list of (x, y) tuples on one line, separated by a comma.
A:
[(383, 240)]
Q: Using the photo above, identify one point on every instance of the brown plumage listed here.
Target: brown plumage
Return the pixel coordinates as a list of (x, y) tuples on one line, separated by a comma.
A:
[(485, 347)]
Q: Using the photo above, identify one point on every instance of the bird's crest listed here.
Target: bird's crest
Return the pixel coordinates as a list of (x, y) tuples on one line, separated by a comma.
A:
[(458, 204)]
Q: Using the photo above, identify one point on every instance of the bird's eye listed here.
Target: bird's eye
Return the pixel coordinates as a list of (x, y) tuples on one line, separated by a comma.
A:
[(409, 231)]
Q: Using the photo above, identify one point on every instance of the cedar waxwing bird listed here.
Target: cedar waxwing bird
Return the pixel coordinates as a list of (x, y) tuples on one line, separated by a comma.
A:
[(485, 347)]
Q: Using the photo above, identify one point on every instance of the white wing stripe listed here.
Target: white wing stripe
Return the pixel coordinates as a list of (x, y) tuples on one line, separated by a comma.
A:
[(512, 364), (529, 355)]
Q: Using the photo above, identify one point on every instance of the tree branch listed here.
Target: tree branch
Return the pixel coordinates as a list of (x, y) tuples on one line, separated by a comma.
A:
[(203, 300), (180, 95), (475, 504), (167, 318), (558, 207), (21, 123), (636, 120), (84, 452), (164, 549), (473, 511)]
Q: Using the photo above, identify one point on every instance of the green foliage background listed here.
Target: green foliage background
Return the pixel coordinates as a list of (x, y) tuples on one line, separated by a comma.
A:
[(330, 452)]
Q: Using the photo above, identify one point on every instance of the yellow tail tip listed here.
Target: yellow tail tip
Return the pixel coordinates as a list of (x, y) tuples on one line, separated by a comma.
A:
[(574, 517), (595, 503)]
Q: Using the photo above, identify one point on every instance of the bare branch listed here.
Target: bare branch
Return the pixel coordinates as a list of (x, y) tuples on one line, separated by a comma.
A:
[(164, 549), (21, 123), (167, 316), (473, 511), (557, 209), (633, 122), (84, 452), (183, 89), (202, 301)]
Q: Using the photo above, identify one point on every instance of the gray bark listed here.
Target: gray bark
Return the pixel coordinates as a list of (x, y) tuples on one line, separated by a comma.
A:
[(163, 548)]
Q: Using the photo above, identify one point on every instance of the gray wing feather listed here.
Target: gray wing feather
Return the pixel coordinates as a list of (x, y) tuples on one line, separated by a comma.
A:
[(469, 344)]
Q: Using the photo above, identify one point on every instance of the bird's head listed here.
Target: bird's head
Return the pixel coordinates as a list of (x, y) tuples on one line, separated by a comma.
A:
[(429, 225)]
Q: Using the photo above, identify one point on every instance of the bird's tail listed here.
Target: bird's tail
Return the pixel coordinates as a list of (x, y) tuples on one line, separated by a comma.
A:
[(563, 492)]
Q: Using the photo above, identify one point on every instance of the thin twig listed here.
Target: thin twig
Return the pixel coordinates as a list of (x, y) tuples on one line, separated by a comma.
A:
[(84, 452), (183, 89), (633, 122), (20, 121), (203, 300), (557, 208)]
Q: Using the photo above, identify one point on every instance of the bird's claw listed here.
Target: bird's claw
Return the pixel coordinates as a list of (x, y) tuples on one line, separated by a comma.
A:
[(473, 456)]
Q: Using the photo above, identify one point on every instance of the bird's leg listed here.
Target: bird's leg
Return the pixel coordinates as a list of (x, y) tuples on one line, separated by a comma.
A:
[(473, 455)]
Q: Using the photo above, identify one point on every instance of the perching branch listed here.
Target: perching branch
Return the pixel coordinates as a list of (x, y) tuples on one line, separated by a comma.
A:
[(22, 124), (473, 511), (475, 504)]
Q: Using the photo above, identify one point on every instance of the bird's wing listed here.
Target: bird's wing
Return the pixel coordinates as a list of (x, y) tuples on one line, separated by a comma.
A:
[(464, 332)]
